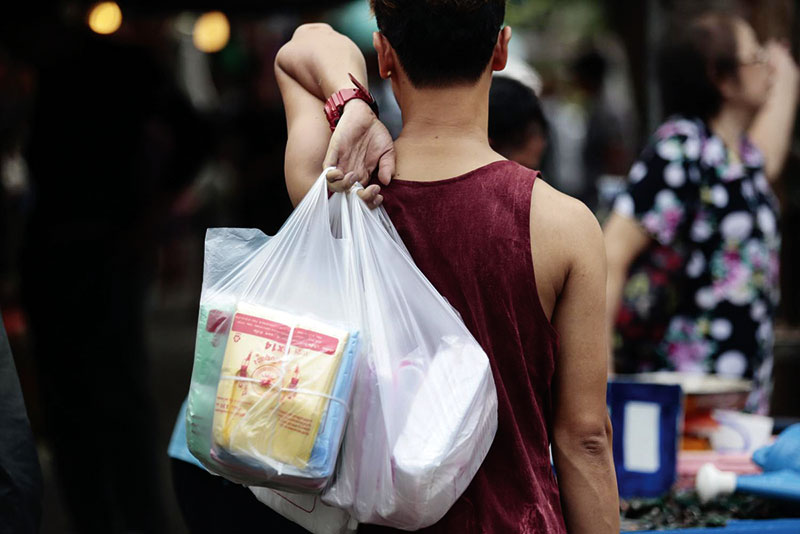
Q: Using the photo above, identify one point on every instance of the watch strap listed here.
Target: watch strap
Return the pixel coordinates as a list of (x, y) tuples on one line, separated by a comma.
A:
[(334, 106)]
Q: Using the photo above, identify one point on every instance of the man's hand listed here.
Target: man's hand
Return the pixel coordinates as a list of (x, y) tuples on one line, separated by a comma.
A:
[(309, 68), (359, 145), (339, 182)]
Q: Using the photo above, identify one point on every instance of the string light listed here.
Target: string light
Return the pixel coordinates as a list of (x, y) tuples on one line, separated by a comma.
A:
[(105, 18), (211, 32)]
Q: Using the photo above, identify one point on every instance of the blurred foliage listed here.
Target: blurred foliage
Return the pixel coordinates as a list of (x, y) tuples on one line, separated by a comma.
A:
[(356, 21), (585, 17)]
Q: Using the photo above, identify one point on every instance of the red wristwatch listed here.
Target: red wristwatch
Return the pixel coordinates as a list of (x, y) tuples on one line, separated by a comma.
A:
[(334, 106)]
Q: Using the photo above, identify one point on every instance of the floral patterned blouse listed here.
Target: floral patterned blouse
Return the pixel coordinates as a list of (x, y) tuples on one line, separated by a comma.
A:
[(702, 296)]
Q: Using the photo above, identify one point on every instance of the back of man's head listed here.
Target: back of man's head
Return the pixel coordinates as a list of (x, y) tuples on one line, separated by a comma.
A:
[(441, 43), (515, 119)]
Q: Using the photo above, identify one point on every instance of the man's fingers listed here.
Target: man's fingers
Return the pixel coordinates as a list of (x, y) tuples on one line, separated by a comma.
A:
[(344, 184), (386, 167), (371, 196), (332, 155), (334, 175), (357, 170), (337, 181), (354, 162), (363, 175), (367, 194)]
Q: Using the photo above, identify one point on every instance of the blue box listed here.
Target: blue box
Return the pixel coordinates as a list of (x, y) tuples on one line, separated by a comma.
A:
[(646, 421)]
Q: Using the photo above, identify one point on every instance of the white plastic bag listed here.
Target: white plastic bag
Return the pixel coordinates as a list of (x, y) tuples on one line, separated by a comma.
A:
[(276, 351), (423, 406), (308, 511)]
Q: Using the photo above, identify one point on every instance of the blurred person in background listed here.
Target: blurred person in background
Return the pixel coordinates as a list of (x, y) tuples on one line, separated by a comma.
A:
[(605, 153), (518, 128), (693, 242), (20, 474), (478, 226), (111, 140), (15, 88)]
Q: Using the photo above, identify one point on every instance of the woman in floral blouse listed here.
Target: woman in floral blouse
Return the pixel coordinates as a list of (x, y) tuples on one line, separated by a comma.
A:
[(693, 241)]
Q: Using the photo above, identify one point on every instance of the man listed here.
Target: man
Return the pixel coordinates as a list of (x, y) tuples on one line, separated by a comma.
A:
[(517, 126), (478, 226)]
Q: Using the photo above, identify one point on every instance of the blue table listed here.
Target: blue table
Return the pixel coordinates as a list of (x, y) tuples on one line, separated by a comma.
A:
[(739, 526)]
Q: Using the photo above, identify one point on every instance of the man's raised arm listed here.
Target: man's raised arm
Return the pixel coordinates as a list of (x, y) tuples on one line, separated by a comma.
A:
[(313, 65)]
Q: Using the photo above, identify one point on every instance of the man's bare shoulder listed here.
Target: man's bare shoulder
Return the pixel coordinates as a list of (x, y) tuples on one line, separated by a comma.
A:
[(564, 231), (560, 217)]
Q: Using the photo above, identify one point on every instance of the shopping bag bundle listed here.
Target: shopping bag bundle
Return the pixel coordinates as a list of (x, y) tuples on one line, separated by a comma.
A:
[(275, 353), (326, 363)]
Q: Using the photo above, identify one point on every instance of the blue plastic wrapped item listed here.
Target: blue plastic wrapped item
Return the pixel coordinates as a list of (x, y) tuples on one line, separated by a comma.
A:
[(280, 321), (781, 478), (237, 262), (323, 455), (213, 328)]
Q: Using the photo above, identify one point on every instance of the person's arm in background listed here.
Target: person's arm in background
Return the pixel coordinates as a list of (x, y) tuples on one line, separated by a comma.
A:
[(582, 450), (312, 66), (625, 234), (772, 129), (624, 240), (20, 474)]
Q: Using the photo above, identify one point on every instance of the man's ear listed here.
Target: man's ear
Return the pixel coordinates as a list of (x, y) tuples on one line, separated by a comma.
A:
[(386, 58), (500, 54)]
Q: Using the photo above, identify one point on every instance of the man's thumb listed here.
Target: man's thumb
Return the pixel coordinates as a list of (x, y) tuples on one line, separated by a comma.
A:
[(386, 167)]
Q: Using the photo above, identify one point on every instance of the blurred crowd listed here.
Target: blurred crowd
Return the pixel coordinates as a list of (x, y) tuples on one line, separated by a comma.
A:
[(118, 149)]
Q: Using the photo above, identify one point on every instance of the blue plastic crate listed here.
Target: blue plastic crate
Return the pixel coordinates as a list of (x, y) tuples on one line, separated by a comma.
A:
[(646, 420)]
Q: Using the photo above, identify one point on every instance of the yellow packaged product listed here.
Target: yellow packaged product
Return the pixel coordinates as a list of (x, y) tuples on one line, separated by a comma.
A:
[(277, 376)]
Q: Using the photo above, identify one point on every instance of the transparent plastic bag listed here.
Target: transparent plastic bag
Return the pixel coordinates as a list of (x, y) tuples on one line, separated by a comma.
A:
[(308, 511), (276, 350), (422, 406)]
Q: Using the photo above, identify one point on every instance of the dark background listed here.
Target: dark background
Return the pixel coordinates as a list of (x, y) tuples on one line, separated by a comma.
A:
[(118, 151)]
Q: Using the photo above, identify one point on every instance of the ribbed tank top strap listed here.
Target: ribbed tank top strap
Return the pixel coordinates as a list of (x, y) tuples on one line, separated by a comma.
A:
[(523, 182)]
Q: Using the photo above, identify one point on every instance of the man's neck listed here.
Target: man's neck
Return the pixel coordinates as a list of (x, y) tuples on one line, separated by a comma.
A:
[(445, 131)]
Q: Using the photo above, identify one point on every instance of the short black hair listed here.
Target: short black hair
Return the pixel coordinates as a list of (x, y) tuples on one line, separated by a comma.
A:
[(692, 60), (514, 113), (589, 68), (441, 42)]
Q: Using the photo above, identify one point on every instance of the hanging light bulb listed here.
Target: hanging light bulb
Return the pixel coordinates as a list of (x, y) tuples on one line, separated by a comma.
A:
[(105, 18), (211, 32)]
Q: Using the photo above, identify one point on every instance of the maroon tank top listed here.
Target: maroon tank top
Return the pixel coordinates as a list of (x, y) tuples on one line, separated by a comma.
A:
[(470, 235)]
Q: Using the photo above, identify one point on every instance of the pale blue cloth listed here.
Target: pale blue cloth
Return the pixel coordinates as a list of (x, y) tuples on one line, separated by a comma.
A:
[(177, 444), (323, 455)]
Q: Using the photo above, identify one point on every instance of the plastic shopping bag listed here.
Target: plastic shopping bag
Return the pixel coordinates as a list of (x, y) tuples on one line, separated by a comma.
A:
[(276, 351), (424, 406), (363, 339), (308, 511)]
